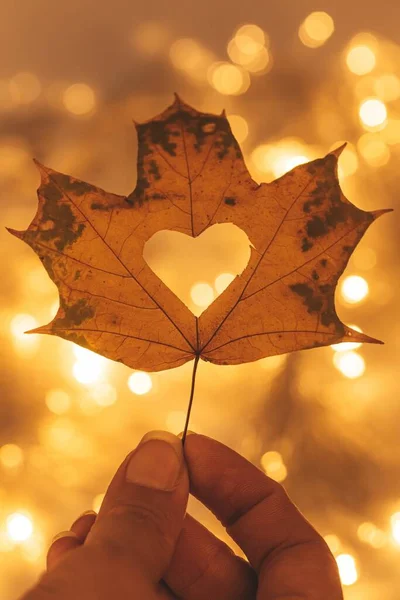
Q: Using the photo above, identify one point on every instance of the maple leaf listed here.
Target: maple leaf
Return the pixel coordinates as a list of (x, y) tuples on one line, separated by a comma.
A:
[(191, 175)]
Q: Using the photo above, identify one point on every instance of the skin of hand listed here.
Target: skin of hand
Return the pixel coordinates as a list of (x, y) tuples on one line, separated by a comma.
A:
[(143, 546)]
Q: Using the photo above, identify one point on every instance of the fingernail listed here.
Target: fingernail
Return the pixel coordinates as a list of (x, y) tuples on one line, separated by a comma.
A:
[(157, 461), (63, 534), (87, 513), (189, 432)]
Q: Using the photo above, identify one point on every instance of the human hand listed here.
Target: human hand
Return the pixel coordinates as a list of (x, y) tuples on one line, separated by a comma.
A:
[(142, 546)]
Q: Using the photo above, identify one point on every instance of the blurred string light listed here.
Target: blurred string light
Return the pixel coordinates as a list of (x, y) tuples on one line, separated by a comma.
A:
[(370, 534), (150, 37), (58, 401), (279, 158), (189, 56), (387, 87), (79, 99), (104, 394), (374, 151), (373, 113), (273, 465), (354, 289), (11, 456), (222, 281), (365, 258), (19, 527), (347, 569), (24, 88), (395, 525), (202, 294), (97, 502), (248, 48), (350, 364), (24, 343), (228, 79), (89, 366), (140, 383), (316, 29), (346, 346), (361, 59), (239, 126)]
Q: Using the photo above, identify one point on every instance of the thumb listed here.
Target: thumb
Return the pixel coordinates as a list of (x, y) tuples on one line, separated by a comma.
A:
[(142, 513)]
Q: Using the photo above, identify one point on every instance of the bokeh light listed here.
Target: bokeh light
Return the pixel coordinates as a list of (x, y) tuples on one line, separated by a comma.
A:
[(361, 59), (11, 456), (19, 527), (373, 113), (79, 99), (58, 401), (354, 289), (228, 79), (316, 29), (374, 151), (202, 294), (387, 87), (239, 126), (140, 383), (350, 364), (273, 465), (25, 88), (347, 569), (223, 281), (333, 542), (395, 523), (372, 535)]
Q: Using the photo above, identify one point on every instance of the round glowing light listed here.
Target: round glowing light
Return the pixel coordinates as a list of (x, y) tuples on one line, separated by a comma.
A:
[(316, 29), (250, 38), (79, 99), (140, 383), (374, 151), (86, 373), (360, 60), (150, 37), (223, 281), (261, 157), (97, 502), (354, 289), (19, 527), (24, 88), (186, 54), (104, 394), (280, 158), (202, 294), (58, 401), (333, 542), (22, 323), (395, 523), (373, 112), (347, 569), (346, 346), (273, 465), (370, 534), (387, 87), (239, 126), (11, 456), (350, 364), (348, 162), (284, 164), (228, 79)]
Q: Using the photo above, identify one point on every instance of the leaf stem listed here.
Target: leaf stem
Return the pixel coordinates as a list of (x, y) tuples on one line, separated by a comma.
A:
[(196, 362)]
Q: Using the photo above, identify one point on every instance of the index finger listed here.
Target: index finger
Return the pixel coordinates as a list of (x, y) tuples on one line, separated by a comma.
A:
[(256, 511)]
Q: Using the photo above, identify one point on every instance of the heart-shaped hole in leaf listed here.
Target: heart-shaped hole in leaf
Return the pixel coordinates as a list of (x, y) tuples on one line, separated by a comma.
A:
[(193, 267)]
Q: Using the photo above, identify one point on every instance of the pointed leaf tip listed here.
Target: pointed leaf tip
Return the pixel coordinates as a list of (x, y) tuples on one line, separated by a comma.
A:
[(382, 211), (178, 100), (18, 234), (357, 336), (223, 113), (338, 151)]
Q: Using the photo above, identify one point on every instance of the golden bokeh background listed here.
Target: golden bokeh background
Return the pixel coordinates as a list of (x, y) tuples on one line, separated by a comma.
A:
[(296, 80)]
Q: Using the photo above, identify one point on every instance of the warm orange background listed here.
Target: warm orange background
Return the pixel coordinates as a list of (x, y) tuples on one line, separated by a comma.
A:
[(324, 422)]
